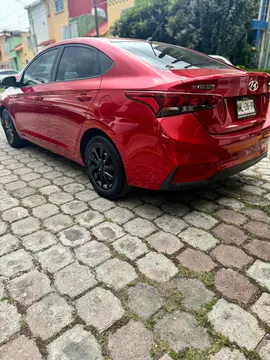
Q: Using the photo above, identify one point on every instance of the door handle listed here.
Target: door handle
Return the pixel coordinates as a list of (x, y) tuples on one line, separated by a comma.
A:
[(84, 98), (39, 98)]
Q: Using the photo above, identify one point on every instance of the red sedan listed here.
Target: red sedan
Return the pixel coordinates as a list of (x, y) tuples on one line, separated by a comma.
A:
[(139, 113)]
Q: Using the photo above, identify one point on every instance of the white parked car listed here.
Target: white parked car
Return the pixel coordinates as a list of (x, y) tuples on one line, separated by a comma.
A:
[(7, 72), (221, 58)]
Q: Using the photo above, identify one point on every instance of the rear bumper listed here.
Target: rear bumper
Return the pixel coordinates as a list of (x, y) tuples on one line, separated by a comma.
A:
[(220, 175)]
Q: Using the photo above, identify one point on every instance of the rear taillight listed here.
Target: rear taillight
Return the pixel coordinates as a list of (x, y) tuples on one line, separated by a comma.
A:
[(168, 104)]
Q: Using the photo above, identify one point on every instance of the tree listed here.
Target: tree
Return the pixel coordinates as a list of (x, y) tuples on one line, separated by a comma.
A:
[(210, 26), (143, 20)]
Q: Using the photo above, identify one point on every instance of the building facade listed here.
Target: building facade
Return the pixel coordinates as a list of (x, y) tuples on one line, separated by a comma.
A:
[(116, 8), (261, 27)]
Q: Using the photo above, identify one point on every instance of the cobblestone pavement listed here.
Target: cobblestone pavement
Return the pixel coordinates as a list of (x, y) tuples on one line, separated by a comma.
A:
[(153, 276)]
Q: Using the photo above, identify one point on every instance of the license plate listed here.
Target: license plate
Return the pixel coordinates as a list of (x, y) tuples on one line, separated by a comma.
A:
[(245, 108)]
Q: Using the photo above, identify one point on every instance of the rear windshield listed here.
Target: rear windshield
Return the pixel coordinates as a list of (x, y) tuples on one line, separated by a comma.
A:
[(165, 56)]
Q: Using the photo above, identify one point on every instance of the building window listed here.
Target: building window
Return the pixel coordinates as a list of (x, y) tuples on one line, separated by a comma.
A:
[(266, 10), (59, 5), (65, 32)]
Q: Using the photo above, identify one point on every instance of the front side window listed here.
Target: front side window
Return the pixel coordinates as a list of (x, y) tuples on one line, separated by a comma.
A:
[(39, 72), (78, 62), (59, 5), (165, 56)]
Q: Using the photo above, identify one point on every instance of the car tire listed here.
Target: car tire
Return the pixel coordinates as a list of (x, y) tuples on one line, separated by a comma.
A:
[(105, 168), (10, 131)]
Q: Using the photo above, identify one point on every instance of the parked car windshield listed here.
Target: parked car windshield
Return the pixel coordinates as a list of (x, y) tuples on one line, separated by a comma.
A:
[(165, 56), (8, 72)]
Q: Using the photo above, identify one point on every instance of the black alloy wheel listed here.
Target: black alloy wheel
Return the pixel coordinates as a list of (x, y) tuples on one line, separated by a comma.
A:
[(105, 168)]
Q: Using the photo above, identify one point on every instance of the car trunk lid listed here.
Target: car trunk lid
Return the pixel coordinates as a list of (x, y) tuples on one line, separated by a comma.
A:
[(245, 97)]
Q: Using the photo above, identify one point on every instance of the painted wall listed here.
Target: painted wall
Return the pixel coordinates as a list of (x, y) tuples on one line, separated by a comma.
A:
[(3, 54), (38, 23), (83, 7), (27, 51), (57, 20), (116, 7)]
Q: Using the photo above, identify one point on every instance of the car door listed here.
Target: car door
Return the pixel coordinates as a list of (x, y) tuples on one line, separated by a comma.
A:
[(31, 115), (77, 82)]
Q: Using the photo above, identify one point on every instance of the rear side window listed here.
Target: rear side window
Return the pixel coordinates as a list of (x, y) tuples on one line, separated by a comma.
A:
[(165, 56), (78, 62), (105, 62)]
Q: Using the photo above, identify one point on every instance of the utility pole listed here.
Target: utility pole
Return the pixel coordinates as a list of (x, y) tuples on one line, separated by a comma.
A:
[(96, 18)]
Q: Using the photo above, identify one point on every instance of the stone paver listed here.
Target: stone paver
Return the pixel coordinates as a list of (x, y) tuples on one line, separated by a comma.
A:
[(93, 253), (231, 256), (21, 348), (8, 243), (90, 218), (25, 226), (55, 258), (262, 308), (74, 344), (14, 263), (100, 308), (237, 324), (62, 247), (119, 215), (74, 236), (260, 271), (260, 249), (230, 234), (198, 238), (194, 292), (144, 299), (131, 342), (181, 331), (231, 217), (58, 222), (74, 279), (260, 229), (29, 287), (116, 273), (228, 354), (130, 246), (107, 231), (234, 286), (264, 350), (14, 214), (140, 227), (170, 224), (164, 242), (9, 320), (44, 211), (48, 316), (39, 240), (157, 267), (196, 260), (201, 220)]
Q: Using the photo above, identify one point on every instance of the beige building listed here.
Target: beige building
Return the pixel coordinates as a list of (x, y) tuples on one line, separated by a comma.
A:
[(58, 17), (116, 8)]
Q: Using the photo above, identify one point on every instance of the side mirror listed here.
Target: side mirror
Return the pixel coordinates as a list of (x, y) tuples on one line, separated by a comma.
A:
[(9, 81)]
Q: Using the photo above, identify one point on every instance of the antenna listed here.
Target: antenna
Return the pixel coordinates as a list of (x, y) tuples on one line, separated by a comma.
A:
[(151, 38)]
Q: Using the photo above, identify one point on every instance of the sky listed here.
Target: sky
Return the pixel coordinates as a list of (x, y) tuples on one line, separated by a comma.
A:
[(13, 16)]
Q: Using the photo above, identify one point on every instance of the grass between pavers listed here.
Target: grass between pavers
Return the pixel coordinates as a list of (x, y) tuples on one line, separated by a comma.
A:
[(207, 278)]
